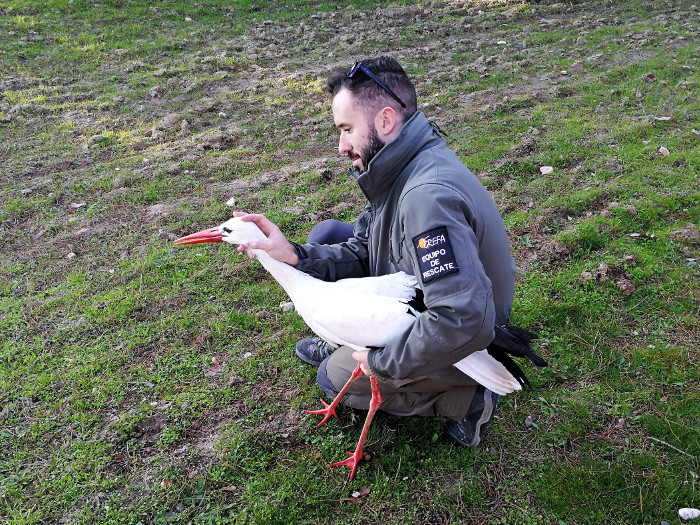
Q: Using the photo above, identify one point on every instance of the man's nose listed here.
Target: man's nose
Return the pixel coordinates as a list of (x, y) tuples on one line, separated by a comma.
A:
[(344, 145)]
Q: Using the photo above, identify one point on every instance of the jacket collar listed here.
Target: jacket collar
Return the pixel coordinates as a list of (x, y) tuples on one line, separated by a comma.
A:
[(415, 135)]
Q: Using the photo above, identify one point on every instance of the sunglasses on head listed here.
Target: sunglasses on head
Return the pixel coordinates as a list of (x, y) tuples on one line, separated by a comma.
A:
[(359, 66)]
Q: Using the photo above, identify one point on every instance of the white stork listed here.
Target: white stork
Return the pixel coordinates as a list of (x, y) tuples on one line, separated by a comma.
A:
[(367, 313)]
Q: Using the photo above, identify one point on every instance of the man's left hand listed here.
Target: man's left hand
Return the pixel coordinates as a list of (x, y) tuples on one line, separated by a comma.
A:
[(361, 357)]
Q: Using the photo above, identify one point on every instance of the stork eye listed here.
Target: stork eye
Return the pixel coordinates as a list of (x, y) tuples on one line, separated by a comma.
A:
[(227, 230)]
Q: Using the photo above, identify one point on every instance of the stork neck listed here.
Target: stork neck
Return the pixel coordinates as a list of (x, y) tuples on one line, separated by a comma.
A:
[(287, 276)]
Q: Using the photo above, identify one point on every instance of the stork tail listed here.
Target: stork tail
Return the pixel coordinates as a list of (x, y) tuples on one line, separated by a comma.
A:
[(513, 341)]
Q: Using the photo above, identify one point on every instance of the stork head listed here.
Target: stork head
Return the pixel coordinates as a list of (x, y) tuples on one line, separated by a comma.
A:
[(233, 231)]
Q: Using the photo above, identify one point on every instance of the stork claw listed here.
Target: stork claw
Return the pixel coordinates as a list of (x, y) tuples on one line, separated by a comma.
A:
[(326, 412), (329, 410), (352, 461)]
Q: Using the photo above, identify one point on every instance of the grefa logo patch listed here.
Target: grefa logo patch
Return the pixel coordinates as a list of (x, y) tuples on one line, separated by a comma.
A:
[(436, 258), (426, 243)]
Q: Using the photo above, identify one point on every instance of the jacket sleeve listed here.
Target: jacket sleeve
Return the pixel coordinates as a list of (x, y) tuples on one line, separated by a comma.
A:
[(443, 252), (331, 262)]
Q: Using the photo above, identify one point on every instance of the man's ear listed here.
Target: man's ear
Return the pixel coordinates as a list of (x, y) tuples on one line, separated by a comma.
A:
[(386, 122)]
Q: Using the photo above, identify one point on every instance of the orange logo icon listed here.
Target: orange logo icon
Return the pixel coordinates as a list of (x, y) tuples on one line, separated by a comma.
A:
[(422, 243)]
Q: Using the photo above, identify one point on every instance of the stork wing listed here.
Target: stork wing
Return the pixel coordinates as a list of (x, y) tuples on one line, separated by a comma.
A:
[(488, 372), (400, 285), (355, 319)]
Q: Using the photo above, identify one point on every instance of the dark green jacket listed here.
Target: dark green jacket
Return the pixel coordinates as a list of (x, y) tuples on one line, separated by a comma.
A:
[(429, 216)]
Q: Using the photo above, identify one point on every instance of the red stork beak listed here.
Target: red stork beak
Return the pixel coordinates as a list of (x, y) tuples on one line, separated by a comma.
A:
[(210, 235)]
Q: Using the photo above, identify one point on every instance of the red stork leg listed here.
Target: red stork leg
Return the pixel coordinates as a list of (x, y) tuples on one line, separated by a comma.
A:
[(329, 410), (356, 456)]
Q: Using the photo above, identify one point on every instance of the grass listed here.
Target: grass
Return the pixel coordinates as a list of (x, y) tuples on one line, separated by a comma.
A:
[(124, 124)]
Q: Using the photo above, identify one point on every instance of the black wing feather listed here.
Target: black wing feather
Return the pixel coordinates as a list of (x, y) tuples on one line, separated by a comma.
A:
[(514, 341)]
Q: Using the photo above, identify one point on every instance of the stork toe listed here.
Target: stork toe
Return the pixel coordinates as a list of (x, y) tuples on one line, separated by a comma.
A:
[(326, 412)]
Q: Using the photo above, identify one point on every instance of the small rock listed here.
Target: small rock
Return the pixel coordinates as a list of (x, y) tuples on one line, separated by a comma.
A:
[(231, 202), (215, 361), (546, 170), (664, 151), (688, 513), (70, 256), (76, 205), (287, 307)]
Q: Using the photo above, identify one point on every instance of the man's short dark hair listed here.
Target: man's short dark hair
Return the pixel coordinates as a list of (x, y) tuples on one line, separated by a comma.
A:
[(370, 95)]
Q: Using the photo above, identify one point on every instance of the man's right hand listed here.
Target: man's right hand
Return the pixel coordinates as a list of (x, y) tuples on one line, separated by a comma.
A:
[(276, 245)]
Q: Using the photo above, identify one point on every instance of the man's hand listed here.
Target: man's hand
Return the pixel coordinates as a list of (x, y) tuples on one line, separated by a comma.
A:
[(276, 245), (361, 357)]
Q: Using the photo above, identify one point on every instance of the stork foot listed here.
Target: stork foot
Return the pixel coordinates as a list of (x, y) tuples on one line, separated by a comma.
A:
[(329, 410), (352, 461), (326, 412)]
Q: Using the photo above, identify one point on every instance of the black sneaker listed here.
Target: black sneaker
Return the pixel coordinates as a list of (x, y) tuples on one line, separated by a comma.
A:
[(472, 429), (313, 350)]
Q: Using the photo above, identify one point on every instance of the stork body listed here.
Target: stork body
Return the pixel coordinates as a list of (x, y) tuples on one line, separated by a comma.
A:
[(361, 313)]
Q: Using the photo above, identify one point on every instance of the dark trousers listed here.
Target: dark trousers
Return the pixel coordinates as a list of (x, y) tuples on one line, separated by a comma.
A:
[(422, 397), (330, 231)]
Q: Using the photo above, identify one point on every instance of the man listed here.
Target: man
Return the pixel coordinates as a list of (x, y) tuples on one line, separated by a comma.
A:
[(427, 215)]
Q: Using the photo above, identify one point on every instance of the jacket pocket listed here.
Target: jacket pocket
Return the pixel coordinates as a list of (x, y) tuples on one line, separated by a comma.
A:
[(396, 248)]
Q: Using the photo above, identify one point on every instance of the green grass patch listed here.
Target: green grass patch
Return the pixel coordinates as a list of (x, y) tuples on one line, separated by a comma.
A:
[(142, 382)]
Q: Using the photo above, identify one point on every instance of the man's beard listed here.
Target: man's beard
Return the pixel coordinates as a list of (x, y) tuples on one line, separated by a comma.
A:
[(374, 146)]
